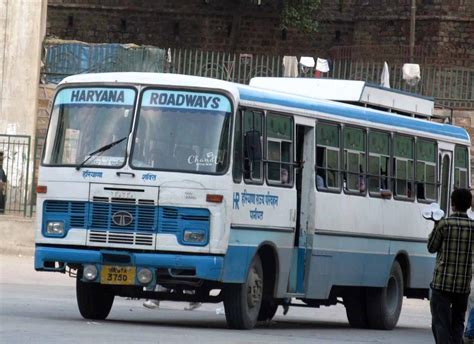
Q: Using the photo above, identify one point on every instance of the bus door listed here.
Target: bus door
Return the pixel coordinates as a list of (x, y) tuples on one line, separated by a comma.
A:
[(304, 172), (444, 163)]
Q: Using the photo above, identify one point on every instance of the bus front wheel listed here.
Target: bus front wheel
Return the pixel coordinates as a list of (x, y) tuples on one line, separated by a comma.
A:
[(242, 302), (385, 304), (93, 299)]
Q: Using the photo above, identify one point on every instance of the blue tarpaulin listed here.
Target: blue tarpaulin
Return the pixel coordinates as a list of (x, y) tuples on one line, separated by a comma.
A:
[(64, 58)]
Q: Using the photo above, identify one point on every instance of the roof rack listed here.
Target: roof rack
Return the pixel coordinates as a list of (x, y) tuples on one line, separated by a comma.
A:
[(353, 92)]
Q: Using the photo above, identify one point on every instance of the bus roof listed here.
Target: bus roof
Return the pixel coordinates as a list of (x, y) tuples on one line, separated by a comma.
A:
[(353, 91), (253, 94)]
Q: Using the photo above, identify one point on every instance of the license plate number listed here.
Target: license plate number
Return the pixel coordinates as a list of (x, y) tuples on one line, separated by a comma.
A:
[(121, 275)]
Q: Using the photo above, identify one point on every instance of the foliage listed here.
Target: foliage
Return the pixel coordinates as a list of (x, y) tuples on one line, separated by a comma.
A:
[(300, 15)]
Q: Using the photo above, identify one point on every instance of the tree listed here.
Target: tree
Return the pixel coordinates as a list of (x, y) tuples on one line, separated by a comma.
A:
[(300, 15)]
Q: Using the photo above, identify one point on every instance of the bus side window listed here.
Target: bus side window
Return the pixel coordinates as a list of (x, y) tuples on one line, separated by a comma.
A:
[(426, 170), (327, 157), (379, 160), (253, 123), (238, 156), (279, 131), (403, 166), (354, 159), (461, 167)]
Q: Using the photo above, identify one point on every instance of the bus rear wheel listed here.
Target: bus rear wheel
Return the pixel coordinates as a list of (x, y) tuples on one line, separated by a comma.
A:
[(93, 299), (385, 304), (242, 302)]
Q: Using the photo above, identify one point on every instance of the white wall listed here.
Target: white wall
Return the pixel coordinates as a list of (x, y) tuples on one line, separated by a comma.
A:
[(22, 29)]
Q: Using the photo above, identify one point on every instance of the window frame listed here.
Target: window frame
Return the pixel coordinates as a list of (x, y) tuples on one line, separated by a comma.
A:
[(379, 177), (345, 172), (459, 169), (394, 168), (339, 171), (435, 164), (266, 139), (250, 180)]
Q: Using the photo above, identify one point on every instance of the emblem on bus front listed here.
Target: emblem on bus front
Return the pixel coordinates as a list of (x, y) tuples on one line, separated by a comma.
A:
[(122, 218)]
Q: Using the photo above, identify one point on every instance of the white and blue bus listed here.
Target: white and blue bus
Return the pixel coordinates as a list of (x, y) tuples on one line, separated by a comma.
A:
[(223, 192)]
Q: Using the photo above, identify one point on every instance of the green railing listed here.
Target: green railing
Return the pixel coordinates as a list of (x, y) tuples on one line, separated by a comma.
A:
[(15, 159)]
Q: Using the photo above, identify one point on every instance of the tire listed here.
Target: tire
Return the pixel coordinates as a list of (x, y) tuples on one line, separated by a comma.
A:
[(385, 304), (93, 299), (242, 302), (356, 308), (267, 310)]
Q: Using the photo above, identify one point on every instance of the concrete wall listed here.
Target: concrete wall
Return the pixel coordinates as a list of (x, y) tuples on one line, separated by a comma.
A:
[(22, 29)]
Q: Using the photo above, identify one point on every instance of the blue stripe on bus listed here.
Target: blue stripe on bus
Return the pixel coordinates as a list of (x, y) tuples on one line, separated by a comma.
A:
[(353, 112), (206, 266)]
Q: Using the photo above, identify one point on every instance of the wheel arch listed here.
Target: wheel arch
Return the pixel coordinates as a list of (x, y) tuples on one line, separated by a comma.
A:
[(270, 262), (402, 258)]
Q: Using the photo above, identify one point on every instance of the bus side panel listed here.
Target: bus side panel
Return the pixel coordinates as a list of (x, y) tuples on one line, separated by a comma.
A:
[(357, 261), (421, 262), (243, 245)]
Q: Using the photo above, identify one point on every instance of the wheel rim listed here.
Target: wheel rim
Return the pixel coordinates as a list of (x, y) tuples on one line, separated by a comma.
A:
[(392, 295), (254, 288)]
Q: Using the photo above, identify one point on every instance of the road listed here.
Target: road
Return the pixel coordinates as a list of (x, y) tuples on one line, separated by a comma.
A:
[(39, 307)]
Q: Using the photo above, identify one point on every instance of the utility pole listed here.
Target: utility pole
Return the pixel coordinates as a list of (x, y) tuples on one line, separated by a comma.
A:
[(412, 29)]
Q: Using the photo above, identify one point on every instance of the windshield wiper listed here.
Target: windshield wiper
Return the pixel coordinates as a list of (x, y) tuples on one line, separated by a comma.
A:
[(100, 150)]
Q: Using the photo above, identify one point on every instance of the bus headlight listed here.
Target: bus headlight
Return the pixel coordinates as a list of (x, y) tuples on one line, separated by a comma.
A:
[(144, 276), (90, 272), (55, 228), (194, 237)]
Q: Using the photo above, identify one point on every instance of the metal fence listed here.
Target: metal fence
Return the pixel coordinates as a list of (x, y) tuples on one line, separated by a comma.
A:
[(14, 154), (450, 86), (63, 58)]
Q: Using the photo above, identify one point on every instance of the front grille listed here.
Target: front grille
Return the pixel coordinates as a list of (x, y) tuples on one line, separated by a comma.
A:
[(175, 220), (144, 216), (74, 213), (123, 238)]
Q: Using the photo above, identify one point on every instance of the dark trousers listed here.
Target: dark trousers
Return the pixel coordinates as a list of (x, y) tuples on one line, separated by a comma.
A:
[(447, 316)]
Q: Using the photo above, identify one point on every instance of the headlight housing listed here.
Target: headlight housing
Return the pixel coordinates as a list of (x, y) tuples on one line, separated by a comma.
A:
[(194, 237), (55, 228)]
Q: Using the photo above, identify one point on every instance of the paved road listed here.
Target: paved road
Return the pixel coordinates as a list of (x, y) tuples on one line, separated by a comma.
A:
[(41, 308)]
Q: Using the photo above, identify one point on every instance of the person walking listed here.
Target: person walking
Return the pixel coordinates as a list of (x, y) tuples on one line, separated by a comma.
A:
[(451, 239), (3, 185), (469, 331)]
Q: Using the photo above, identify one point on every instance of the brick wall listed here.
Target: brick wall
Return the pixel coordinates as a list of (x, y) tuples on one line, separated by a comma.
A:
[(446, 25)]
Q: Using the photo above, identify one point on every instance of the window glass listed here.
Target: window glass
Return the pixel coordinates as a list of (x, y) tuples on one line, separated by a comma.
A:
[(86, 119), (327, 156), (379, 157), (461, 167), (238, 156), (403, 165), (426, 170), (253, 170), (354, 159), (183, 131), (279, 149)]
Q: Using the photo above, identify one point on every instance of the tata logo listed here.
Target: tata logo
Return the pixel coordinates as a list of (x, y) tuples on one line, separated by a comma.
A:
[(122, 218)]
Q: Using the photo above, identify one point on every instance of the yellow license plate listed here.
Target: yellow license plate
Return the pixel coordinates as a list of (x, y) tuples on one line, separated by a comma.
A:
[(121, 275)]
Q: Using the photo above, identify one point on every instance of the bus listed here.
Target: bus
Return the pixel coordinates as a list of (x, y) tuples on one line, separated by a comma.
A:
[(220, 192)]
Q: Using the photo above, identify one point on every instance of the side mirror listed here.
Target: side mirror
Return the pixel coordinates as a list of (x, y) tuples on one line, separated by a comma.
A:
[(253, 146)]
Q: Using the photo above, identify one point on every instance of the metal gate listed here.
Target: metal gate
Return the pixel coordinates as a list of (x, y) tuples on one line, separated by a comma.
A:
[(15, 161)]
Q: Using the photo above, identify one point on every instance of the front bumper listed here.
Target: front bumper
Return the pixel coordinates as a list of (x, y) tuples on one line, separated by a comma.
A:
[(205, 267)]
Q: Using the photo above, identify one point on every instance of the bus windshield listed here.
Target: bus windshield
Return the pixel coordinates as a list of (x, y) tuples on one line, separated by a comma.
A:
[(182, 131), (86, 119)]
